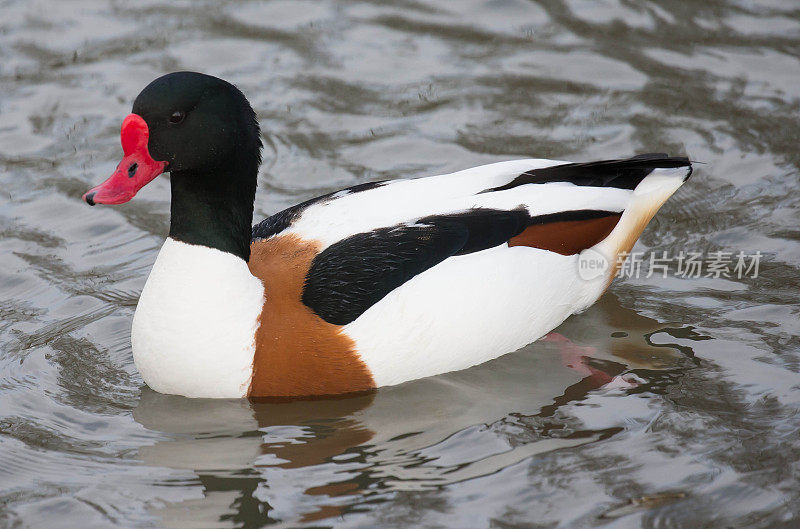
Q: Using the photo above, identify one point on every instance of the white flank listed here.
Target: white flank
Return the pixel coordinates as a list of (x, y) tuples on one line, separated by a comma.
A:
[(193, 332), (469, 309)]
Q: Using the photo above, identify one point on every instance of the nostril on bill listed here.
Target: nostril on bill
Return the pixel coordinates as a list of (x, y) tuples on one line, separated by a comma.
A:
[(132, 169)]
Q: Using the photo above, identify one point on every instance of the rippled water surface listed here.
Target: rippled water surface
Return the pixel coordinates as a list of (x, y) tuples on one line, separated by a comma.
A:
[(673, 402)]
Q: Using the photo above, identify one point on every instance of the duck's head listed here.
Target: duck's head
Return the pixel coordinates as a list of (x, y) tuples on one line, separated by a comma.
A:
[(183, 122)]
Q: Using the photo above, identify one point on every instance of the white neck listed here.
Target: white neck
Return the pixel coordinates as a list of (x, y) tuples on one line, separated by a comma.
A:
[(193, 332)]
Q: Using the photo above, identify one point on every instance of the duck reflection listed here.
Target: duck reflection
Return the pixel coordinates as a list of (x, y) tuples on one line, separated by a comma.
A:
[(309, 460)]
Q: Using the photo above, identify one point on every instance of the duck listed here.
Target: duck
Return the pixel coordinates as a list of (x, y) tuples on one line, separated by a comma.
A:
[(374, 285)]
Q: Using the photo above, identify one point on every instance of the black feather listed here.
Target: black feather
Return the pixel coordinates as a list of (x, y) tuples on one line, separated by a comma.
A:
[(487, 228), (350, 276), (623, 174), (566, 216)]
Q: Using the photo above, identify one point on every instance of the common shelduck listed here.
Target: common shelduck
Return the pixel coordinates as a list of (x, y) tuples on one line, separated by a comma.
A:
[(374, 285)]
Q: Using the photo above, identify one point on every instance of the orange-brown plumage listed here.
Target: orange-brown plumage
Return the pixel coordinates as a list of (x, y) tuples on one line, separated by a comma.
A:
[(298, 353), (567, 237)]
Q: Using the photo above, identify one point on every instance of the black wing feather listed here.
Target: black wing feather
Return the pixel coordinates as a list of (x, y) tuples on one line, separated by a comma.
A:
[(623, 174), (350, 276)]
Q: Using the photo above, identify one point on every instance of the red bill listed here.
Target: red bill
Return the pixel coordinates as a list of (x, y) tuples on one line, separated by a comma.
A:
[(136, 169)]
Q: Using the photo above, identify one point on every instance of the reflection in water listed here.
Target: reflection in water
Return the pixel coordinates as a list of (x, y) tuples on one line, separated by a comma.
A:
[(311, 460)]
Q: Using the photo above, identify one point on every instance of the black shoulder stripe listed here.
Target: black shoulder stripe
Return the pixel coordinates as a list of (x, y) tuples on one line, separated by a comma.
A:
[(564, 216), (366, 186), (348, 277), (278, 222), (623, 174), (352, 275), (486, 228)]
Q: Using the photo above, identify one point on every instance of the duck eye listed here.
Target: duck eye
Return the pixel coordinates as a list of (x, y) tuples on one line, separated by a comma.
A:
[(177, 117)]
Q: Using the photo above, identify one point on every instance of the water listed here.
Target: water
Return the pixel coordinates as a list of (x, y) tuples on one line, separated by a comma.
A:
[(673, 402)]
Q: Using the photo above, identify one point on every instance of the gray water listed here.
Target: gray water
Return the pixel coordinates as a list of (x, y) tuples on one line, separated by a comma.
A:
[(673, 402)]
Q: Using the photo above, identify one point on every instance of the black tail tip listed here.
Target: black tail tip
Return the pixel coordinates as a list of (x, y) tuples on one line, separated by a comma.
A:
[(689, 172)]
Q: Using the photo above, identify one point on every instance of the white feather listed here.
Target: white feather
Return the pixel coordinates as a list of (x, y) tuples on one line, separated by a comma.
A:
[(194, 327)]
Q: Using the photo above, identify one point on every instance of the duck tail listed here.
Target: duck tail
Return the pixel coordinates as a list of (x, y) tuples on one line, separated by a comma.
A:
[(649, 195)]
